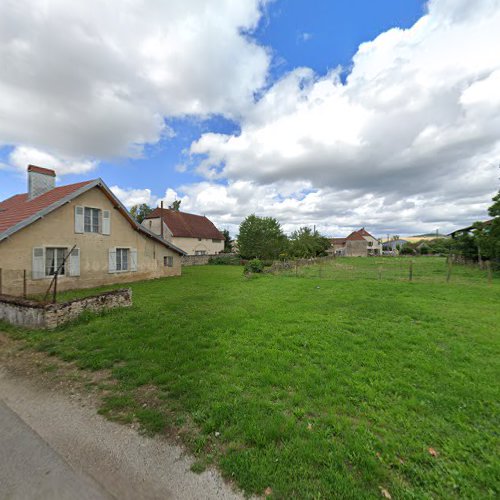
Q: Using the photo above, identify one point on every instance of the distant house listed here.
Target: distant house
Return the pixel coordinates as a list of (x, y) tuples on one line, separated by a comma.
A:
[(80, 230), (393, 245), (195, 234), (358, 244)]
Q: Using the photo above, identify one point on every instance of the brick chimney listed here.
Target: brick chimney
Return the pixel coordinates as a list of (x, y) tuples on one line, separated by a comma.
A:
[(40, 180)]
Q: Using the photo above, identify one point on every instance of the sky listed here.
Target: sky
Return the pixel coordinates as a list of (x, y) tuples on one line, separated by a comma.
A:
[(339, 114)]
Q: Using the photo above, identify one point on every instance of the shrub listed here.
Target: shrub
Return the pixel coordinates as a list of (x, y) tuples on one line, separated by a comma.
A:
[(407, 250), (225, 260), (254, 266)]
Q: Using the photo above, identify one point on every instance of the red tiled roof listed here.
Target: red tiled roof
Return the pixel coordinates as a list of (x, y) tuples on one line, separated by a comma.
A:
[(18, 208), (338, 241), (355, 236), (41, 170), (187, 225), (364, 232)]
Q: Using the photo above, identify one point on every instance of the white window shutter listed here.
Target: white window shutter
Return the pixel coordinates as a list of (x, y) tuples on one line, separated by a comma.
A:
[(79, 224), (38, 267), (133, 259), (106, 222), (112, 260), (74, 262)]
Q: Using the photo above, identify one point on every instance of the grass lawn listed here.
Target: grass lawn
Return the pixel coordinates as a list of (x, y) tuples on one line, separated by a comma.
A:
[(329, 384)]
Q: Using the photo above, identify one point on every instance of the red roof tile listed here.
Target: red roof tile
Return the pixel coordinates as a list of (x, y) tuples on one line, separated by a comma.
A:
[(18, 208), (41, 170), (355, 236), (186, 225), (338, 241), (364, 232)]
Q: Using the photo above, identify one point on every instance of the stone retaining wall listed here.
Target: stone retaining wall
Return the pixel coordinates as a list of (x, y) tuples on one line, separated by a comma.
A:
[(32, 314)]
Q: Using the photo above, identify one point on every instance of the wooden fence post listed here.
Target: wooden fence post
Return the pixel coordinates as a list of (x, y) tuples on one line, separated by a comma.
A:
[(448, 274), (24, 284), (410, 276), (54, 296)]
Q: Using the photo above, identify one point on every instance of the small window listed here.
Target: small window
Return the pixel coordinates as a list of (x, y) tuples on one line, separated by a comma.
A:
[(216, 241), (199, 239), (200, 252), (122, 259), (150, 223), (370, 243), (168, 261), (54, 261), (92, 219)]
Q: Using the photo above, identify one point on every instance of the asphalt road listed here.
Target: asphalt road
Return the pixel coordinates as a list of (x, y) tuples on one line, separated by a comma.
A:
[(54, 445), (31, 469)]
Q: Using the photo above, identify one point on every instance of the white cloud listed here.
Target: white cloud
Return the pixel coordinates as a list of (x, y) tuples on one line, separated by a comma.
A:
[(131, 196), (417, 121), (22, 156), (96, 79)]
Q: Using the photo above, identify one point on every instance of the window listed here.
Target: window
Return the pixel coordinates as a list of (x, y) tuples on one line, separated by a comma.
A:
[(199, 239), (92, 218), (54, 258), (122, 259), (200, 252), (168, 261), (216, 241), (370, 243)]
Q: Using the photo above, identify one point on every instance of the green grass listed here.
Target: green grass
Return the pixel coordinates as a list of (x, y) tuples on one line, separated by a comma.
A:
[(330, 384)]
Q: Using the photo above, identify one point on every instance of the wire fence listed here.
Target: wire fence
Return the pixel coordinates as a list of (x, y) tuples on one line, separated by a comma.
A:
[(20, 283), (420, 269)]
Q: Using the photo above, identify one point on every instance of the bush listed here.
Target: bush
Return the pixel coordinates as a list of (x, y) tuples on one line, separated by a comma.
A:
[(225, 260), (254, 266), (406, 250)]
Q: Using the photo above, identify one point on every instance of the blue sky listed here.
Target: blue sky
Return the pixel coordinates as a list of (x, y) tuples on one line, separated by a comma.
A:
[(275, 39)]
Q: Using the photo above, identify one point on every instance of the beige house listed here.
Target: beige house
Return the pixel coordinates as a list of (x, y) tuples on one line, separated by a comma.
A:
[(195, 234), (358, 244), (40, 228)]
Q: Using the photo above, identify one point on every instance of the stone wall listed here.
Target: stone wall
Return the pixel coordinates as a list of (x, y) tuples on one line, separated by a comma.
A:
[(32, 314), (195, 260)]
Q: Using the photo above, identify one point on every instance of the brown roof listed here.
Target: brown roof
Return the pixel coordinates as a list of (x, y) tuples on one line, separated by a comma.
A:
[(338, 241), (19, 207), (355, 236), (41, 170), (364, 232), (187, 225)]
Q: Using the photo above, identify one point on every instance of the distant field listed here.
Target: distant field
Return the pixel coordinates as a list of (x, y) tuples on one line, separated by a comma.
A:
[(331, 383)]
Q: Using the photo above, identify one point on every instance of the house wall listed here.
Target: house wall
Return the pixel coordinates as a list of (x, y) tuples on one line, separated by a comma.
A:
[(58, 230), (375, 247), (356, 248), (189, 245)]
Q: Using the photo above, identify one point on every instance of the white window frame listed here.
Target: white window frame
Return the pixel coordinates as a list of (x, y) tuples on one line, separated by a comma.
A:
[(116, 255), (99, 220), (56, 248), (121, 251), (168, 261)]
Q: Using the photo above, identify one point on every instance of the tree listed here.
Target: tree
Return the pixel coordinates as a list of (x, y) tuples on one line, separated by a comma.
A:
[(175, 205), (140, 212), (307, 243), (228, 242), (261, 237)]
